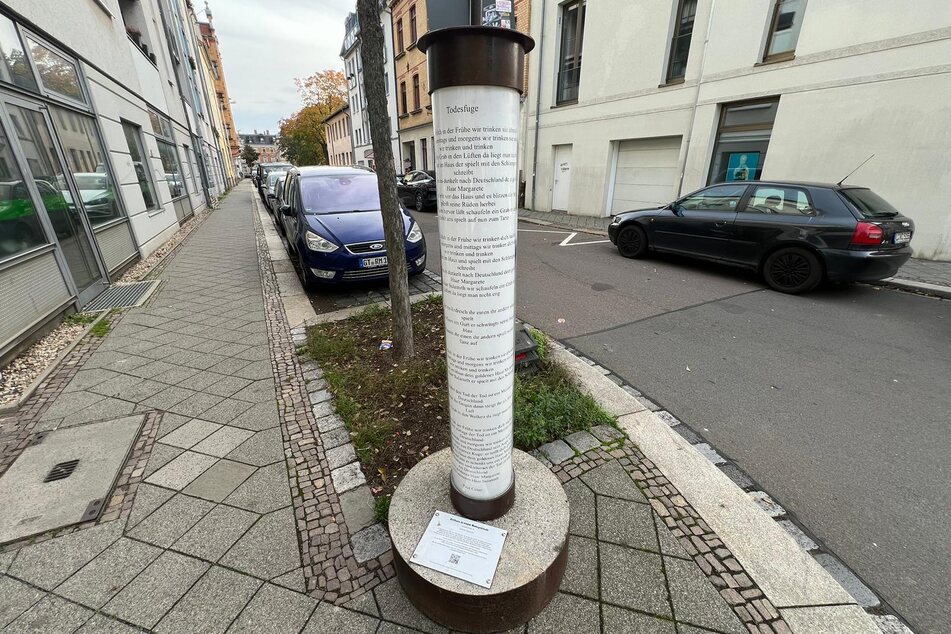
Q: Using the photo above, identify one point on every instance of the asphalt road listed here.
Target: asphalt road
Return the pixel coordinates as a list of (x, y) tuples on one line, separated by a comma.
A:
[(838, 403)]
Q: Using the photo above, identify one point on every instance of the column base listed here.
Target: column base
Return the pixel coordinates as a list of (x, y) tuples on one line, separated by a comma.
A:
[(533, 558), (482, 510)]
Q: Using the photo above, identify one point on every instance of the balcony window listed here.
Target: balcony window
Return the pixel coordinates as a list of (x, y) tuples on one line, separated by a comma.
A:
[(784, 30), (680, 44), (58, 74), (572, 36), (14, 66)]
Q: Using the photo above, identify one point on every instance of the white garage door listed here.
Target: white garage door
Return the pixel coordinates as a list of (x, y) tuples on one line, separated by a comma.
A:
[(646, 173)]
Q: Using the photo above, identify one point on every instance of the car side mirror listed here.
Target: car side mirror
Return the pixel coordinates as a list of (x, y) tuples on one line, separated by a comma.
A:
[(287, 210)]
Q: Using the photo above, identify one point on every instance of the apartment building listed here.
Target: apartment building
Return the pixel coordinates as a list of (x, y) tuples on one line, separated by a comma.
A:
[(337, 129), (266, 145), (635, 102), (106, 146), (413, 106), (353, 70), (231, 148)]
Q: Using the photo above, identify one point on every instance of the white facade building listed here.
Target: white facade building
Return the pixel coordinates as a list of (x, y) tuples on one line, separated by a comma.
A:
[(107, 146), (635, 102), (360, 134)]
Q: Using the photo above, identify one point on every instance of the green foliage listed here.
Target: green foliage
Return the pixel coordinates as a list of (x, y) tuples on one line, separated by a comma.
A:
[(80, 319), (541, 340), (381, 508), (549, 406), (101, 329), (249, 154)]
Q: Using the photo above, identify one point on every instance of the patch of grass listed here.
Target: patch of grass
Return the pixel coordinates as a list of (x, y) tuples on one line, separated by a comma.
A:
[(549, 406), (541, 341), (101, 329), (381, 508), (398, 412), (80, 319)]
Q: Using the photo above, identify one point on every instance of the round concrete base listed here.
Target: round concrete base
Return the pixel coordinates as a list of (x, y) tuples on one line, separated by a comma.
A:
[(533, 557)]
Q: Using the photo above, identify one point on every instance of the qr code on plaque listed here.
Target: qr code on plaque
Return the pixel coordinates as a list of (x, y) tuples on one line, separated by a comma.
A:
[(453, 559)]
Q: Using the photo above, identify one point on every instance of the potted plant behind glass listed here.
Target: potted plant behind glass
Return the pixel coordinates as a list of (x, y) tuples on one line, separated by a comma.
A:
[(134, 33)]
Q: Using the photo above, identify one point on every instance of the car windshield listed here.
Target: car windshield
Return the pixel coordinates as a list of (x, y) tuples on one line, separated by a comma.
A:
[(869, 204), (91, 181), (282, 167), (340, 193), (272, 178)]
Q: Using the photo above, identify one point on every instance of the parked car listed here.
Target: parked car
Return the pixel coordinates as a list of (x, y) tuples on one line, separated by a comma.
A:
[(333, 223), (270, 196), (794, 234), (261, 172), (417, 189)]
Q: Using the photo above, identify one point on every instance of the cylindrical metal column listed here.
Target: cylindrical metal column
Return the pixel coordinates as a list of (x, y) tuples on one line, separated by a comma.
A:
[(475, 77)]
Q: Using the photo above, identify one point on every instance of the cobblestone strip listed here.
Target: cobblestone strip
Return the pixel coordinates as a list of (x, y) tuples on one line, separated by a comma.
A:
[(16, 429), (696, 537), (331, 570), (122, 496)]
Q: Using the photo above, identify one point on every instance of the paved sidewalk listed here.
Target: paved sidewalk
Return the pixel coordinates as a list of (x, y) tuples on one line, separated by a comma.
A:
[(590, 224), (927, 272)]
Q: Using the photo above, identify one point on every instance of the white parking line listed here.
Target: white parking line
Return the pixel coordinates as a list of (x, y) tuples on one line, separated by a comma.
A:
[(568, 243)]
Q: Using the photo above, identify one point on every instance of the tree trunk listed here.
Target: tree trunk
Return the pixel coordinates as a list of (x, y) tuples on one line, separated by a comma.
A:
[(371, 53)]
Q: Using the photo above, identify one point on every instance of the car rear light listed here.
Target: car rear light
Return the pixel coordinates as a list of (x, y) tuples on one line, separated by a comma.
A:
[(520, 356), (867, 234)]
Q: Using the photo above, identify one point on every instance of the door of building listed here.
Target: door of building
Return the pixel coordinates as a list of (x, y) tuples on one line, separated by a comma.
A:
[(46, 179), (562, 180)]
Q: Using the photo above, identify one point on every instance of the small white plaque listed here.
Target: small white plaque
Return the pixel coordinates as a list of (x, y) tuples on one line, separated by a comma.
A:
[(460, 548)]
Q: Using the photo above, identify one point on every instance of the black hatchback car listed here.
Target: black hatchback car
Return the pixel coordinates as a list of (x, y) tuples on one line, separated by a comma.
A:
[(794, 234), (417, 189)]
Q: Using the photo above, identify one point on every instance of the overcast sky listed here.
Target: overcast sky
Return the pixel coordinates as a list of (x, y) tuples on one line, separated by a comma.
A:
[(266, 44)]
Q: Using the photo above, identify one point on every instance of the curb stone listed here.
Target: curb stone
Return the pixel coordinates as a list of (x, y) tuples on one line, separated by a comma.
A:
[(843, 577)]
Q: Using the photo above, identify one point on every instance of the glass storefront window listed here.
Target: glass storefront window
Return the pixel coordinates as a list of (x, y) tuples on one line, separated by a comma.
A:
[(58, 74), (173, 169), (139, 163), (14, 66), (87, 163), (742, 141), (20, 228)]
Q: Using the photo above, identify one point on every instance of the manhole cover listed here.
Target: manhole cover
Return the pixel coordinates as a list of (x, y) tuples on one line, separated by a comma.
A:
[(43, 489), (122, 296), (61, 471)]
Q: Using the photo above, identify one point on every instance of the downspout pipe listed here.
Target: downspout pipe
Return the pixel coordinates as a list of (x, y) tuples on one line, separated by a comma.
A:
[(696, 98), (538, 100)]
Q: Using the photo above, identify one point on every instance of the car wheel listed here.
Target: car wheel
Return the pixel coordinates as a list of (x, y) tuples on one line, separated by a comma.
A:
[(420, 202), (792, 270), (307, 279), (632, 242)]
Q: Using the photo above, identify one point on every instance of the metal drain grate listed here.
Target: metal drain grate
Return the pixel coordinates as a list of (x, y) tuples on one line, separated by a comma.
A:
[(61, 471), (122, 296)]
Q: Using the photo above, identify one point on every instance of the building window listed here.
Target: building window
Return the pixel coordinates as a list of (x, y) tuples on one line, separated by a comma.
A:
[(415, 92), (424, 153), (173, 169), (26, 232), (412, 24), (784, 30), (133, 137), (399, 36), (57, 73), (572, 36), (680, 44), (16, 68), (87, 163), (742, 141), (403, 97)]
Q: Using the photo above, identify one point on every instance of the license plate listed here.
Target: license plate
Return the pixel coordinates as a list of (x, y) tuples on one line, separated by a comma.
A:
[(372, 263), (902, 237)]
